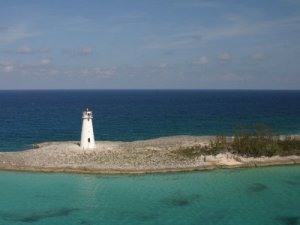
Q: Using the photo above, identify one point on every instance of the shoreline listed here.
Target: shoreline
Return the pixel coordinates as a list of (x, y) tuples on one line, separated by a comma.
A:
[(138, 157), (283, 162)]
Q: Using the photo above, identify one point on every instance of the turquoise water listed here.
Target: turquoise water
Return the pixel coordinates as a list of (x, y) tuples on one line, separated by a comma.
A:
[(233, 196)]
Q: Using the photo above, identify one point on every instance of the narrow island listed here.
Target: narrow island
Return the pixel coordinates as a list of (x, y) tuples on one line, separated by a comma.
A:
[(251, 146), (178, 153)]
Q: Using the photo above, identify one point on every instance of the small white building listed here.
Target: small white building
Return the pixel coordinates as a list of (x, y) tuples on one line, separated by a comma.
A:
[(87, 132)]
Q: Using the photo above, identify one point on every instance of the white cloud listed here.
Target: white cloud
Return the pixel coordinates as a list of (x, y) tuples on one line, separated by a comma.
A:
[(231, 77), (224, 57), (104, 72), (84, 51), (200, 4), (94, 72), (258, 56), (24, 49), (176, 39), (29, 50), (236, 26), (37, 67), (163, 66), (45, 62), (203, 60), (6, 67)]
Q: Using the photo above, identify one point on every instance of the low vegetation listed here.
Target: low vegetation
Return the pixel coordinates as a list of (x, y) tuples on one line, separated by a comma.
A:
[(216, 146), (250, 141)]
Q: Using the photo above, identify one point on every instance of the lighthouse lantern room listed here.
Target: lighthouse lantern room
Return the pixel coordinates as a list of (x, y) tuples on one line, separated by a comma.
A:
[(87, 132)]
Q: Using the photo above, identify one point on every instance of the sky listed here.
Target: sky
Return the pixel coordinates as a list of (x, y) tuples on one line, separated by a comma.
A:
[(150, 44)]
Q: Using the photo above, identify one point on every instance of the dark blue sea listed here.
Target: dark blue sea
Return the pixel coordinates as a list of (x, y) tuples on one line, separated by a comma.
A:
[(28, 117)]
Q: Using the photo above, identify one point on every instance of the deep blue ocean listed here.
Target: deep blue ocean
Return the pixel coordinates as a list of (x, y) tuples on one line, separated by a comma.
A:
[(28, 117)]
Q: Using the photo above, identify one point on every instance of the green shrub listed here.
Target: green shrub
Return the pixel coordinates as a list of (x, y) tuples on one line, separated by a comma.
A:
[(289, 146), (217, 145), (257, 140), (251, 141)]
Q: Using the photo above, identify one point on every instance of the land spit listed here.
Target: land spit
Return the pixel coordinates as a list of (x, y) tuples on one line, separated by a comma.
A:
[(149, 156)]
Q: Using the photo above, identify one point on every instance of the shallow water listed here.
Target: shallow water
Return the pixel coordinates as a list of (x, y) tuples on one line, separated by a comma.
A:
[(232, 196)]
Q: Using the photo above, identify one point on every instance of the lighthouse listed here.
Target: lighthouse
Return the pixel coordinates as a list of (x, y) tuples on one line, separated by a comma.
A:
[(87, 132)]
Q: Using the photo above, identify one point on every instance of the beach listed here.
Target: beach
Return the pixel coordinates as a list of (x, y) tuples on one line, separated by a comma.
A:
[(148, 156)]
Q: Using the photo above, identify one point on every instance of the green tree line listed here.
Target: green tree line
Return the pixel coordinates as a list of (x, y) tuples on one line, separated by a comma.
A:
[(251, 141)]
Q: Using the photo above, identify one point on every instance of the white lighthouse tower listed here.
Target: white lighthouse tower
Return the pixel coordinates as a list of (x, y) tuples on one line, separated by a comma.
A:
[(87, 132)]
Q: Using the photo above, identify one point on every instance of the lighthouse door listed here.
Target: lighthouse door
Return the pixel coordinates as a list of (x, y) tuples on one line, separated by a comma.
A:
[(89, 140)]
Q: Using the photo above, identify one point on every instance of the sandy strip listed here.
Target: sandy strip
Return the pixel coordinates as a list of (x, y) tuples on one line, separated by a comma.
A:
[(138, 157), (146, 171)]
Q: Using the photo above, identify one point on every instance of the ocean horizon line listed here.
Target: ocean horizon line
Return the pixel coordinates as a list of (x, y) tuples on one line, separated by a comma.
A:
[(33, 116), (150, 89)]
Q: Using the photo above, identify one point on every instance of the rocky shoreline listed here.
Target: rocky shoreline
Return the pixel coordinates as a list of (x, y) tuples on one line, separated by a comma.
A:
[(149, 156)]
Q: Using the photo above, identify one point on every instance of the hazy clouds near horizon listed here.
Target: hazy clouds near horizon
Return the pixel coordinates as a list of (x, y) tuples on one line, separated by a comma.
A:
[(191, 44)]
